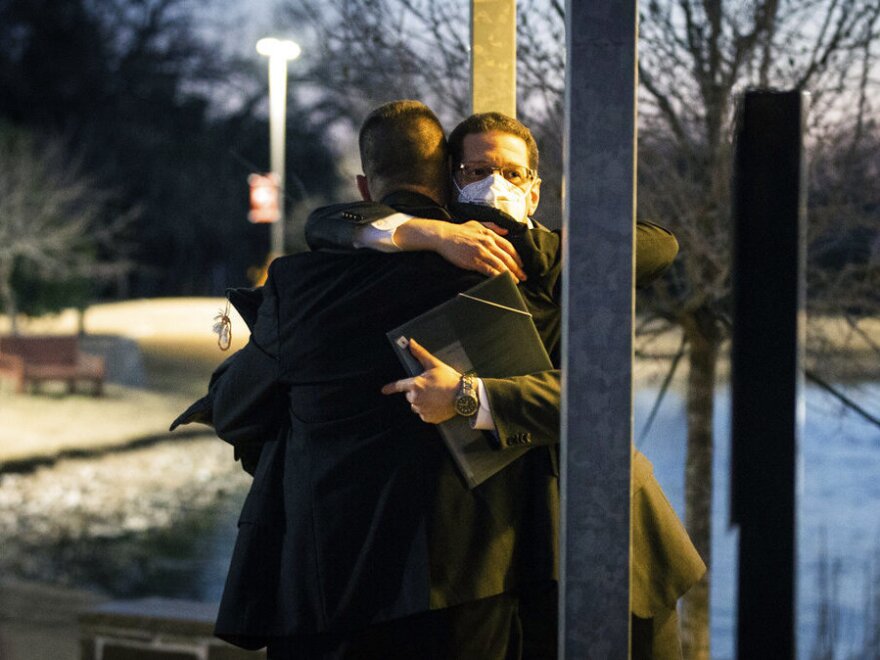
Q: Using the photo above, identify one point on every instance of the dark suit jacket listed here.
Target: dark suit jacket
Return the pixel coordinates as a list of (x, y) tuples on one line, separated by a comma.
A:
[(357, 514), (665, 563), (525, 407)]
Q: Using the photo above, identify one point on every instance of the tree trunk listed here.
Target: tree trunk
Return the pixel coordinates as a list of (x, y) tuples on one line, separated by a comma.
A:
[(703, 339), (7, 297)]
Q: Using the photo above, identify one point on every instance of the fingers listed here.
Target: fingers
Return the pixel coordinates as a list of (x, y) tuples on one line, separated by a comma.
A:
[(431, 398), (494, 234), (407, 386), (404, 385), (474, 247), (501, 231), (420, 353), (493, 263), (499, 253), (510, 256)]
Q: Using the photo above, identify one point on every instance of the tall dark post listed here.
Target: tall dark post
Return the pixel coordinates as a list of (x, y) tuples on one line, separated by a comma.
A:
[(597, 327), (768, 306)]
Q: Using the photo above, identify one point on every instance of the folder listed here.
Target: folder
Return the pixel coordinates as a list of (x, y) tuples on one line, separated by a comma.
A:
[(486, 330)]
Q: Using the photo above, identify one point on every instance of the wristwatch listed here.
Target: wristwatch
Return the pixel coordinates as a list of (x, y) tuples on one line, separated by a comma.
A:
[(466, 401)]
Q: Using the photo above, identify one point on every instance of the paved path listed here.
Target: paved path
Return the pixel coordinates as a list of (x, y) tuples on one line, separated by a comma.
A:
[(39, 621)]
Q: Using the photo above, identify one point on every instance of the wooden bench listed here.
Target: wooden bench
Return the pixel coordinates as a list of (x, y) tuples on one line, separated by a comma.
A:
[(34, 359)]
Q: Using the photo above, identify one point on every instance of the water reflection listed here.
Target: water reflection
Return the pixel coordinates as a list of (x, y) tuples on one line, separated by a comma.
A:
[(154, 521), (184, 560), (839, 498)]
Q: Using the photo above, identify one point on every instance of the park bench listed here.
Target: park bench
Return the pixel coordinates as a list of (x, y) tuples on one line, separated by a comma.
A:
[(34, 359)]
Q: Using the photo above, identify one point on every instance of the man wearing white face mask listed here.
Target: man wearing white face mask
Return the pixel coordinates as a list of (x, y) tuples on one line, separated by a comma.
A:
[(494, 165), (494, 162), (494, 168), (493, 185)]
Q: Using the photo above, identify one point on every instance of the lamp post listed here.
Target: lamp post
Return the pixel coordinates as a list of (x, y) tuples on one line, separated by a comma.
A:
[(279, 53)]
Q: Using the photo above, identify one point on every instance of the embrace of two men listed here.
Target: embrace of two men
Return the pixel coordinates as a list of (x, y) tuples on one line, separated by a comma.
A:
[(358, 538)]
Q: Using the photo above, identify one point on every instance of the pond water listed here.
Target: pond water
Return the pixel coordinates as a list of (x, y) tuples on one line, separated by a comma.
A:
[(839, 519), (838, 511)]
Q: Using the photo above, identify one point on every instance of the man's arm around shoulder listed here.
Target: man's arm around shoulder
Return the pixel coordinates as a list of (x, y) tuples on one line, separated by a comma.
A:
[(656, 249), (334, 227)]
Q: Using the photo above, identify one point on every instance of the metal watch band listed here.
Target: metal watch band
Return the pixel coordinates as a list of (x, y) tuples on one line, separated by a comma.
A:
[(466, 401)]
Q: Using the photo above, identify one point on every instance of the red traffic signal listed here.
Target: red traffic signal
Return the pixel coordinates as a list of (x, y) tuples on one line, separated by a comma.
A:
[(265, 198)]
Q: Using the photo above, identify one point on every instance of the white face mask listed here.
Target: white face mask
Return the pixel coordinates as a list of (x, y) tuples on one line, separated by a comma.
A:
[(497, 192)]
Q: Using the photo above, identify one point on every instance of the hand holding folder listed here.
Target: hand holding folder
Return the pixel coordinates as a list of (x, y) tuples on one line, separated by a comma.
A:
[(432, 391), (486, 330)]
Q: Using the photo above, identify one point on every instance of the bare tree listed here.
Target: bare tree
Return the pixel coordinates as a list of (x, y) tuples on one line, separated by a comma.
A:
[(360, 53), (49, 215), (364, 52), (696, 57)]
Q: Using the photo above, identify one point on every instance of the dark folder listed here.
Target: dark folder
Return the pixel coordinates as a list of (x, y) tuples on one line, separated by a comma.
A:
[(486, 330)]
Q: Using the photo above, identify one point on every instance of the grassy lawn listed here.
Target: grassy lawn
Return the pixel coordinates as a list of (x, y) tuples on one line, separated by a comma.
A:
[(180, 365), (179, 353)]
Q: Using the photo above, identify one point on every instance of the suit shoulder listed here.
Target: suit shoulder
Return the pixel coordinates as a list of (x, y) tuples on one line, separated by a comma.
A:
[(355, 265), (293, 265)]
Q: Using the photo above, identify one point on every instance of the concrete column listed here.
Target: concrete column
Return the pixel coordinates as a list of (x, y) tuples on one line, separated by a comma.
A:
[(493, 56), (598, 227)]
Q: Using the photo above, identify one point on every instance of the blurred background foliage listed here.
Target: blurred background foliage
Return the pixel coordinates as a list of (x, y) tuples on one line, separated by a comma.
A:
[(138, 96)]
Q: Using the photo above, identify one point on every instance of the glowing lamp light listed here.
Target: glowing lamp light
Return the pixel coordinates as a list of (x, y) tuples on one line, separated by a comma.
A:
[(279, 52), (283, 48)]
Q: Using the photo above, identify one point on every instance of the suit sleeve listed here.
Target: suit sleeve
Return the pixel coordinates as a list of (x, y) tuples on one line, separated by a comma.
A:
[(656, 249), (333, 227), (248, 399), (665, 563), (525, 409)]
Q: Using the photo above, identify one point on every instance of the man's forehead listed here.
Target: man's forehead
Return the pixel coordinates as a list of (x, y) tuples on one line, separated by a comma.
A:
[(495, 146)]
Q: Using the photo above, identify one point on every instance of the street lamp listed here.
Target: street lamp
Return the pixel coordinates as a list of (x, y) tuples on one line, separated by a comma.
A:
[(279, 53)]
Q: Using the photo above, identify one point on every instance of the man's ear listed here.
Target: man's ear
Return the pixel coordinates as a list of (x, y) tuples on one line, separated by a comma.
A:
[(364, 188), (534, 197)]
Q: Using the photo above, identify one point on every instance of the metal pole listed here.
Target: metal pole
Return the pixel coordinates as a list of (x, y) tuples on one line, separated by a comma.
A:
[(493, 56), (598, 228), (766, 370), (279, 52), (277, 123)]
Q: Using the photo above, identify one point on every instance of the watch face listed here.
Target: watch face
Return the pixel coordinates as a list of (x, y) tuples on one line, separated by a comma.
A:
[(466, 405)]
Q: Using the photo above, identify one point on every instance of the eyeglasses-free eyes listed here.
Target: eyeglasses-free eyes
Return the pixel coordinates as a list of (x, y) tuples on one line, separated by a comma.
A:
[(518, 175)]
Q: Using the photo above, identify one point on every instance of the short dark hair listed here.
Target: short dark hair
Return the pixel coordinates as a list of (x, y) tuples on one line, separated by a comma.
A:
[(403, 143), (484, 122)]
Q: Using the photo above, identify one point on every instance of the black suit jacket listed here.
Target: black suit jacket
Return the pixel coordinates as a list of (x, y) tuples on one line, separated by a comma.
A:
[(664, 561), (526, 407), (357, 514)]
